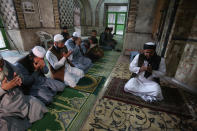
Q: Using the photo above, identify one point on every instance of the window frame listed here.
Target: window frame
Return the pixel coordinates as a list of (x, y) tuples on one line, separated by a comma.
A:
[(116, 21)]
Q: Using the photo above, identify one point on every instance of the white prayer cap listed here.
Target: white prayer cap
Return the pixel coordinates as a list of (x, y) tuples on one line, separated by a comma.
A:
[(58, 38), (76, 34), (39, 51), (150, 45)]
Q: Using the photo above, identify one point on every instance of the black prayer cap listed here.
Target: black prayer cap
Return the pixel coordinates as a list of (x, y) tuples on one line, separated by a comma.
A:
[(149, 45)]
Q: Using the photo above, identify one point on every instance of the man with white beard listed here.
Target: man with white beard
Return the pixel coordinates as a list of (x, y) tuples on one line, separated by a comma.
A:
[(60, 65), (77, 57), (17, 111)]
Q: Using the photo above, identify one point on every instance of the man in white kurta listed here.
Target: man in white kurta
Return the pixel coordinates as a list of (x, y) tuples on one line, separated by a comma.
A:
[(143, 84), (60, 66)]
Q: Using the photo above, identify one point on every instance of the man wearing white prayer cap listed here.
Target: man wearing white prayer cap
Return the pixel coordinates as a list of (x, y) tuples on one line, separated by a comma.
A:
[(77, 58), (60, 66), (76, 34), (144, 82), (39, 51), (33, 69)]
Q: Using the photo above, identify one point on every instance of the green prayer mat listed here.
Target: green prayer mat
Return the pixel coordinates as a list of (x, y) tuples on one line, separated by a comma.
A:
[(88, 83), (63, 110), (104, 66)]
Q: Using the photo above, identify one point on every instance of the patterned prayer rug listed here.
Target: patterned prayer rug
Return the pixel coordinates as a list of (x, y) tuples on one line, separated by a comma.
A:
[(63, 111), (88, 83), (173, 101), (121, 70), (111, 115)]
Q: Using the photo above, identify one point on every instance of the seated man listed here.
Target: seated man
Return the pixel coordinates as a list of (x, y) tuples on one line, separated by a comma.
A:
[(33, 68), (17, 111), (143, 67), (111, 36), (60, 66), (77, 57), (105, 40), (93, 37), (91, 50), (65, 33)]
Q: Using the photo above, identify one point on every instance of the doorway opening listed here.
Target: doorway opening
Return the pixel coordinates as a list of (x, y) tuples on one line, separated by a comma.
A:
[(116, 19)]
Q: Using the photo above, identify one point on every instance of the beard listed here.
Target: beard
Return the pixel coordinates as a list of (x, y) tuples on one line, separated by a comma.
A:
[(3, 73), (59, 49)]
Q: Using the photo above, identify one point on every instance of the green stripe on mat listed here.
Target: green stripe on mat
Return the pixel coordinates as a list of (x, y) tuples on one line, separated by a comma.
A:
[(88, 83), (67, 109), (81, 116), (62, 111)]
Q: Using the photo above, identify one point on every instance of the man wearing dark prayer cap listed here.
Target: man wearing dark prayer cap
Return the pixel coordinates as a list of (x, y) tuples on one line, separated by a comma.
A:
[(144, 81)]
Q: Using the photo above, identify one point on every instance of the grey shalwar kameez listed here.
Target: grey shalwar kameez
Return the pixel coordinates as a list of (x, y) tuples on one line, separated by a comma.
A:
[(18, 111), (39, 86), (77, 57)]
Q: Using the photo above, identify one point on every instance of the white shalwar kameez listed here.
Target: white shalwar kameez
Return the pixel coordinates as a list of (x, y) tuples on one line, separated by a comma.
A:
[(72, 75), (143, 87)]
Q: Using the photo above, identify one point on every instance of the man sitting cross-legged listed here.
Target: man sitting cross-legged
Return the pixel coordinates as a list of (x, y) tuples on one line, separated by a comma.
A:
[(60, 66), (144, 67), (78, 57), (17, 111), (93, 37), (33, 68), (106, 41), (91, 50)]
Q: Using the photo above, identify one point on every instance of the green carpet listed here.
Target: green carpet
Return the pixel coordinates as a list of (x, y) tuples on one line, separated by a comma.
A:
[(62, 111), (104, 66)]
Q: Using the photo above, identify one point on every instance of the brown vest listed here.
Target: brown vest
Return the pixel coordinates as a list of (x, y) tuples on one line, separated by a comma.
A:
[(59, 73)]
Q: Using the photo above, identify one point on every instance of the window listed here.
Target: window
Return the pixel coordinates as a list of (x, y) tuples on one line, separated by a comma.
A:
[(3, 40), (116, 17), (28, 7)]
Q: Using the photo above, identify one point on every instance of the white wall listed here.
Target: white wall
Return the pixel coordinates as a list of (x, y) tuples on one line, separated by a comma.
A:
[(15, 35)]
